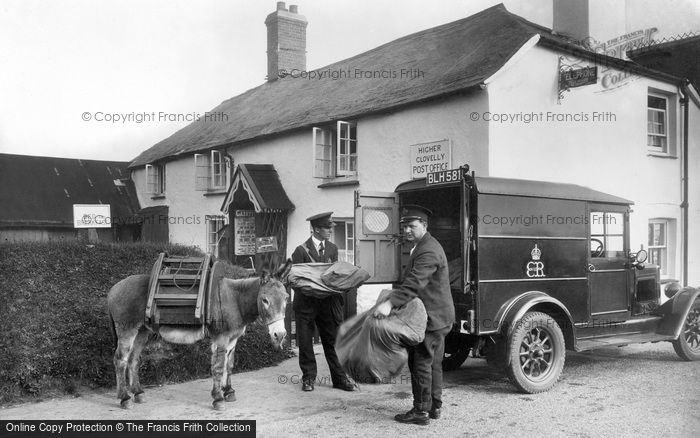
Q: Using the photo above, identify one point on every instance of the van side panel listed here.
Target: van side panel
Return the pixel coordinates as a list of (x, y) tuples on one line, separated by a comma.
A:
[(531, 244)]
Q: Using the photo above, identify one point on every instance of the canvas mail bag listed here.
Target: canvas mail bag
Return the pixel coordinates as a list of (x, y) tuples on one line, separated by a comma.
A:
[(373, 350)]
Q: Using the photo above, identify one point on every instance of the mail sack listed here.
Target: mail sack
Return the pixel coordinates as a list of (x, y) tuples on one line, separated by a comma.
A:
[(373, 350), (344, 276)]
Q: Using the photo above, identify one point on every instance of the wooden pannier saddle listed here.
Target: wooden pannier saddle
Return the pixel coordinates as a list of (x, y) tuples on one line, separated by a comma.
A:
[(179, 290)]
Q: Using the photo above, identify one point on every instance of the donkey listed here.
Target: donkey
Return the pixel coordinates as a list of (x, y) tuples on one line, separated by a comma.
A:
[(238, 303)]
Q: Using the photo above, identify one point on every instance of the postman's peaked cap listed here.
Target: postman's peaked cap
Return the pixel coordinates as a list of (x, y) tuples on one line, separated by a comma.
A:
[(414, 212), (321, 219)]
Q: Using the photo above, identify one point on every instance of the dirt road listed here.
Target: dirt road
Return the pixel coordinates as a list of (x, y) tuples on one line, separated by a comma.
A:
[(630, 391)]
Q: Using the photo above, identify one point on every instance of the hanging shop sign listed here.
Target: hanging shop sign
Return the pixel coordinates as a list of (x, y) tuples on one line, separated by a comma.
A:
[(578, 77)]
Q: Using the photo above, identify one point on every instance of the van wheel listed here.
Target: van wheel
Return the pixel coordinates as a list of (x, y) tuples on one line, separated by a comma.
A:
[(536, 353), (687, 345)]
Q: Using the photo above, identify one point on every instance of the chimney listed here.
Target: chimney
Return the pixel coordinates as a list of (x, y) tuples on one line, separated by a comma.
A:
[(286, 41), (589, 21)]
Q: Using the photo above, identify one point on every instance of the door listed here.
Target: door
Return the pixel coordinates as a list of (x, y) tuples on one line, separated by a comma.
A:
[(377, 235), (608, 265)]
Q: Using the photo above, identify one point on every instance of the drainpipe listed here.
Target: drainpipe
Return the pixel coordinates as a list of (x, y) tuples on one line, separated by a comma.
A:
[(684, 177)]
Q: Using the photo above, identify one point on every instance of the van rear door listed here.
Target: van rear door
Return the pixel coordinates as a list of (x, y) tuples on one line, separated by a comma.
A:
[(377, 235)]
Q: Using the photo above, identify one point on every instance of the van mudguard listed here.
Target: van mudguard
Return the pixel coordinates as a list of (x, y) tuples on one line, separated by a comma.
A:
[(515, 308), (675, 310)]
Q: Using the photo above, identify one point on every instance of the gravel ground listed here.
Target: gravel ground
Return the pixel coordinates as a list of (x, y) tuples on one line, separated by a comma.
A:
[(639, 390)]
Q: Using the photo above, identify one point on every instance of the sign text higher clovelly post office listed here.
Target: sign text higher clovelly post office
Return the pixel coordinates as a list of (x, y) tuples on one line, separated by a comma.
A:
[(430, 157)]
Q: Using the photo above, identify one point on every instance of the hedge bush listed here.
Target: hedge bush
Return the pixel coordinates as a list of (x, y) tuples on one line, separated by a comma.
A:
[(55, 328)]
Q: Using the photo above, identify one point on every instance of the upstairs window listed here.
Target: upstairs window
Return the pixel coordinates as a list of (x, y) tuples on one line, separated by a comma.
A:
[(155, 179), (212, 171), (657, 123), (335, 151)]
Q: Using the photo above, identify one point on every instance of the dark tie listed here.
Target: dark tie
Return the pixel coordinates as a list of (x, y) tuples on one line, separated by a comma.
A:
[(320, 251)]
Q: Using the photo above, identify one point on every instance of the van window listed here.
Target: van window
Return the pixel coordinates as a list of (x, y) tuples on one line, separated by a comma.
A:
[(607, 234)]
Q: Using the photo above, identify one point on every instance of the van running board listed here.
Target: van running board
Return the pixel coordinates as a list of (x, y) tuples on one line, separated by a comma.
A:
[(617, 341)]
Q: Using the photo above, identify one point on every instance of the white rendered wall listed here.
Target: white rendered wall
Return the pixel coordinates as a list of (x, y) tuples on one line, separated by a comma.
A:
[(607, 153)]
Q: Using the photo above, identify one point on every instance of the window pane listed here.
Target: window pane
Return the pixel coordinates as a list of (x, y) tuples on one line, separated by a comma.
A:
[(353, 147), (614, 246), (343, 130), (353, 132), (353, 164), (657, 234), (615, 223), (596, 223), (343, 147), (657, 102)]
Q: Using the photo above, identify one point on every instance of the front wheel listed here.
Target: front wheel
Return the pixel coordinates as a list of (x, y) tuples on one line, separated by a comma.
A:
[(536, 353), (687, 345)]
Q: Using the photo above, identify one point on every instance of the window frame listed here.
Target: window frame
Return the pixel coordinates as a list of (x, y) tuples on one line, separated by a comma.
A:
[(665, 123), (212, 234), (155, 179), (346, 252), (212, 171), (335, 151), (665, 266), (606, 235)]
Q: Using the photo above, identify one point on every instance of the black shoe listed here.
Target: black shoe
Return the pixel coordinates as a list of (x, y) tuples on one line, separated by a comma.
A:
[(307, 386), (434, 413), (346, 386), (413, 417)]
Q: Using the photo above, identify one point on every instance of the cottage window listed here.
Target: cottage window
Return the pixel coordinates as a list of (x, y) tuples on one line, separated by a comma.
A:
[(215, 228), (657, 123), (661, 245), (335, 150), (344, 239), (155, 179), (212, 171)]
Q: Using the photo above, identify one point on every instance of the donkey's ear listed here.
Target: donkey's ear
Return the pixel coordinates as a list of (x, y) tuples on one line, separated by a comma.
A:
[(283, 271), (264, 276)]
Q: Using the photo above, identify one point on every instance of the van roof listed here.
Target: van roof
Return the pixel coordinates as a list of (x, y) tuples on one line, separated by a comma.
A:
[(523, 187)]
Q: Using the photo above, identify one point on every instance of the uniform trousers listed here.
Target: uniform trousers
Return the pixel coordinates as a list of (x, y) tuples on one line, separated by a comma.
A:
[(327, 315), (425, 364)]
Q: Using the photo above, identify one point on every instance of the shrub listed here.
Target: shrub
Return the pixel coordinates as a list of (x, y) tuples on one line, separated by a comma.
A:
[(55, 329)]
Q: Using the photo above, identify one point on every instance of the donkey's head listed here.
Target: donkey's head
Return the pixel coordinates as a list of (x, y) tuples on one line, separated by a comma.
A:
[(272, 302)]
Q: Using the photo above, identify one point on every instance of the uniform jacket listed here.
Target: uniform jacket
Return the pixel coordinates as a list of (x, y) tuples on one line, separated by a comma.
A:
[(427, 278), (307, 253)]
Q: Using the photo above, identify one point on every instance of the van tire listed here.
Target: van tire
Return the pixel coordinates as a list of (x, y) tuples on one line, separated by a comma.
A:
[(536, 353), (687, 345)]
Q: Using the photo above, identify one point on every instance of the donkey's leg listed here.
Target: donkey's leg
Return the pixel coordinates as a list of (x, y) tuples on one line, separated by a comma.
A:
[(218, 364), (121, 357), (229, 392), (134, 362)]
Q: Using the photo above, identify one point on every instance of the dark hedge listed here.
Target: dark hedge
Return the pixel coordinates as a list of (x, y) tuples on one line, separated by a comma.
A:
[(55, 330)]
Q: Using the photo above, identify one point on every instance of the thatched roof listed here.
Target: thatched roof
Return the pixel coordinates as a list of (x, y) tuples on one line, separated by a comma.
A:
[(453, 58)]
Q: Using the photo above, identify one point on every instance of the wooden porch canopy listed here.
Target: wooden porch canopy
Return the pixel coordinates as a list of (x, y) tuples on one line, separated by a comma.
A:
[(263, 187)]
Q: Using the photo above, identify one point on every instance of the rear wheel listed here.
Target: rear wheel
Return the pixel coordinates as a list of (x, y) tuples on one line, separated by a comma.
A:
[(687, 345), (536, 353)]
